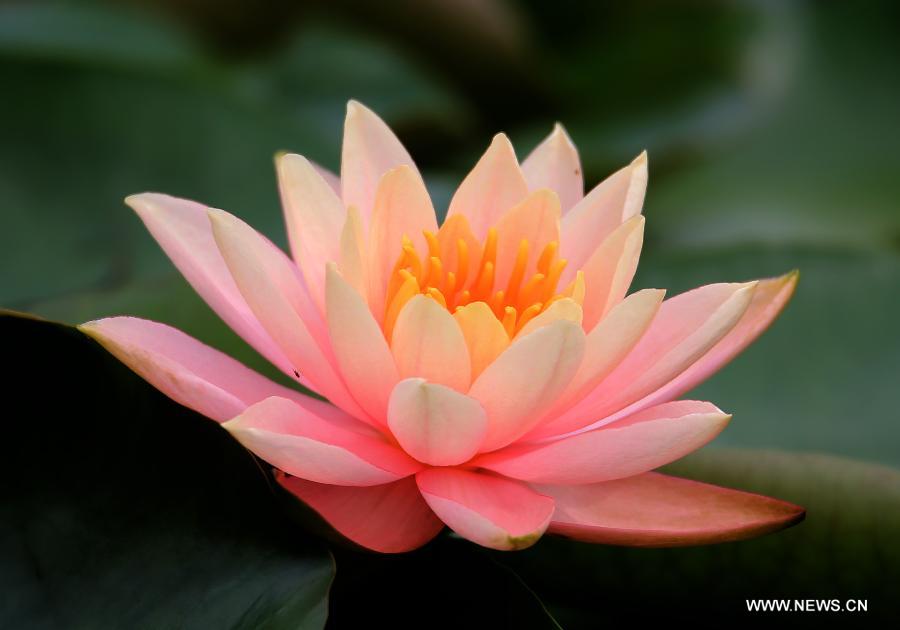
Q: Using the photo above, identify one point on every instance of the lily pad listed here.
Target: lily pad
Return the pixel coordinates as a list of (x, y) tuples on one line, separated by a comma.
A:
[(122, 509)]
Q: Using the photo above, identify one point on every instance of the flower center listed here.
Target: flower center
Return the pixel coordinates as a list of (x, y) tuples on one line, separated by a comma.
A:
[(454, 275)]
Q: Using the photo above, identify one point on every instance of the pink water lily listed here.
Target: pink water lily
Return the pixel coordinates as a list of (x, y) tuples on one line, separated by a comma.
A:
[(491, 374)]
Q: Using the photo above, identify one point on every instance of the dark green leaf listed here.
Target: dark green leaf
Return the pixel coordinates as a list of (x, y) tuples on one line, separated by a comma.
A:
[(122, 509)]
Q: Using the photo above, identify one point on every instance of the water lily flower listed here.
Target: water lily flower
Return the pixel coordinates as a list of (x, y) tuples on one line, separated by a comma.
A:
[(491, 374)]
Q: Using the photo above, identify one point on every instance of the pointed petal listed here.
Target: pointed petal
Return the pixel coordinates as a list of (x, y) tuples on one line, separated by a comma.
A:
[(402, 208), (484, 334), (189, 372), (370, 150), (684, 329), (491, 511), (769, 299), (494, 186), (427, 342), (270, 284), (525, 380), (642, 442), (610, 269), (182, 229), (435, 424), (359, 346), (306, 446), (554, 164), (332, 179), (314, 216), (535, 220), (391, 518), (612, 202), (654, 510)]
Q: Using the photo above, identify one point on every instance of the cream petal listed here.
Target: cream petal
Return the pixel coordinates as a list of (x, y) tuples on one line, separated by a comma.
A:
[(484, 334), (524, 382), (554, 164), (314, 216), (370, 150), (359, 346), (494, 186), (435, 424), (427, 342)]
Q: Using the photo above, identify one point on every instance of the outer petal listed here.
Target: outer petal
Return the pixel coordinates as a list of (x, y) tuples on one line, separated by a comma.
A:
[(654, 510), (554, 164), (685, 328), (525, 380), (182, 229), (435, 424), (565, 308), (491, 511), (402, 208), (392, 518), (306, 446), (612, 202), (359, 347), (427, 342), (610, 269), (314, 216), (494, 186), (270, 284), (484, 334), (536, 220), (642, 442), (769, 300), (370, 150), (189, 372)]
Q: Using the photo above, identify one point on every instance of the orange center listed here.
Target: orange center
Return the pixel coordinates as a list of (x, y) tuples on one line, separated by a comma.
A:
[(455, 279)]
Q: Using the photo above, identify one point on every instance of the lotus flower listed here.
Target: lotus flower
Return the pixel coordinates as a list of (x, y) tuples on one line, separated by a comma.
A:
[(491, 374)]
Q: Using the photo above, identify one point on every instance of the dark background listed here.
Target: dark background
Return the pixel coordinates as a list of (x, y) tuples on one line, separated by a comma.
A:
[(774, 143)]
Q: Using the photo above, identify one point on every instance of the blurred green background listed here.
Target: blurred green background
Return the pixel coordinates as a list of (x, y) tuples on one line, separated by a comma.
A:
[(772, 129)]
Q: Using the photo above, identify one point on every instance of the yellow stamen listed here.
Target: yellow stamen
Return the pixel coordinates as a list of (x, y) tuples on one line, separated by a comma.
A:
[(518, 272), (547, 256), (509, 321), (434, 247), (528, 314), (485, 281), (531, 290), (462, 262), (437, 296), (435, 272)]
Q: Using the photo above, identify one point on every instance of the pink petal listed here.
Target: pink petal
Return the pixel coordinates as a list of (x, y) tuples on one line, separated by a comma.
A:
[(370, 150), (610, 269), (307, 446), (612, 202), (491, 511), (654, 510), (435, 424), (354, 253), (270, 283), (769, 300), (685, 328), (535, 220), (605, 346), (359, 347), (392, 518), (554, 164), (182, 229), (649, 439), (427, 342), (494, 186), (526, 379), (191, 373), (314, 216), (402, 208)]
